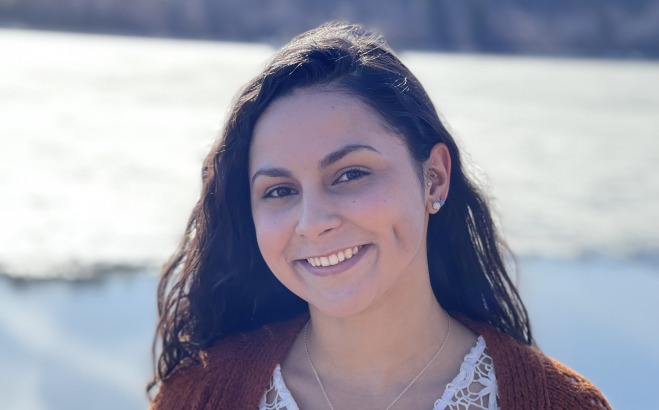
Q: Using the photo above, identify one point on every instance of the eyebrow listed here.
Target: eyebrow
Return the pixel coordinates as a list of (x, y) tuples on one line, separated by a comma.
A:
[(335, 156), (328, 160), (272, 172)]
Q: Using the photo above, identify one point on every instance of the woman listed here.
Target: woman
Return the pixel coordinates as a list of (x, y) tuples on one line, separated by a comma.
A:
[(340, 258)]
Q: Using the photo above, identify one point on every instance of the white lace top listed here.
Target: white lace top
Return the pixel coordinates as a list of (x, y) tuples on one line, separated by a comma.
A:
[(475, 387)]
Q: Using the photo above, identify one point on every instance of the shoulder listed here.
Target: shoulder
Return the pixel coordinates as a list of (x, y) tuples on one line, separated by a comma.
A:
[(527, 378), (235, 370)]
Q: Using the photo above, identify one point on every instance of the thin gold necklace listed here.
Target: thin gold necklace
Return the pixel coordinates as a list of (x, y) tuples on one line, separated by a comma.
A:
[(432, 359)]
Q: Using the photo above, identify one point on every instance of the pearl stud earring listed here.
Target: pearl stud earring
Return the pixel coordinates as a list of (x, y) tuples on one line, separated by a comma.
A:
[(438, 204)]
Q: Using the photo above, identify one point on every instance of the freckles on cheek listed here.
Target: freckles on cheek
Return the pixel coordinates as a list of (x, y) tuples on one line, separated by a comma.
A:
[(378, 210)]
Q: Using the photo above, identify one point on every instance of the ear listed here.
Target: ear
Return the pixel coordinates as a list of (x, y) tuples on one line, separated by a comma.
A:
[(437, 177)]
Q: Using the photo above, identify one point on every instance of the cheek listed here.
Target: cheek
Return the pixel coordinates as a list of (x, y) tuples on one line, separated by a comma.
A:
[(397, 213), (387, 204), (270, 234)]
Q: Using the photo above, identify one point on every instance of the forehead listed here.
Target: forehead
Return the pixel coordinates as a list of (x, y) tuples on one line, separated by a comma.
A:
[(313, 121)]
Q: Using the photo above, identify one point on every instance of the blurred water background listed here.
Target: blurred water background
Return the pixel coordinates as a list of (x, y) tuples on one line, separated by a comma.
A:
[(101, 142)]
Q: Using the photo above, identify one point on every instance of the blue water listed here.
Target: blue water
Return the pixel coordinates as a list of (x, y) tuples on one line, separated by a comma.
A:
[(76, 345), (87, 344)]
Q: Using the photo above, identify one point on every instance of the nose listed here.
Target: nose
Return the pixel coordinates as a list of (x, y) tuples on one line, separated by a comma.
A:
[(318, 215)]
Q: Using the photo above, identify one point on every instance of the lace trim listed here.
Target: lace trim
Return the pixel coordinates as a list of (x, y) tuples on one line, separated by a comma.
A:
[(475, 387), (277, 396)]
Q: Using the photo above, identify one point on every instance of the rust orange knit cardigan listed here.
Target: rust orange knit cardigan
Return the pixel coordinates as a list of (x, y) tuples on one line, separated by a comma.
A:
[(235, 373)]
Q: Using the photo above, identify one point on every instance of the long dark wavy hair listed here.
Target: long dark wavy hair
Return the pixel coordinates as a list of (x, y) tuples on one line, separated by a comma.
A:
[(217, 284)]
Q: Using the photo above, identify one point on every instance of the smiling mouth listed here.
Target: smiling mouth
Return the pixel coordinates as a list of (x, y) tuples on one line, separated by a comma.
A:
[(335, 258)]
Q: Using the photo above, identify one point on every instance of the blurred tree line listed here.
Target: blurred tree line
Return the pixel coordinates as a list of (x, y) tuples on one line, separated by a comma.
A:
[(617, 28)]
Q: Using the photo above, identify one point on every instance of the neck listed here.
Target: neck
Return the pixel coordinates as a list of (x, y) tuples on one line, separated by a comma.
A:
[(382, 346)]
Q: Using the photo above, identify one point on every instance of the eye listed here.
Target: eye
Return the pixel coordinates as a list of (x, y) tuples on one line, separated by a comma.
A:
[(351, 175), (279, 192)]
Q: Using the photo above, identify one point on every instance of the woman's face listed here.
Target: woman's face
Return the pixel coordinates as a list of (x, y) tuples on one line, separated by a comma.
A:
[(338, 207)]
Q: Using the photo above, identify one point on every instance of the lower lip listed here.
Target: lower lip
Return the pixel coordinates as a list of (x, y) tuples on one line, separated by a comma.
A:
[(332, 270)]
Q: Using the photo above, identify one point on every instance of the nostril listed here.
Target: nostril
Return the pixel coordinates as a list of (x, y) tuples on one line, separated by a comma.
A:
[(316, 220)]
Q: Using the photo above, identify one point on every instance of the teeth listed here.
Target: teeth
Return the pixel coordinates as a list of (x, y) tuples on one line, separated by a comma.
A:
[(333, 259)]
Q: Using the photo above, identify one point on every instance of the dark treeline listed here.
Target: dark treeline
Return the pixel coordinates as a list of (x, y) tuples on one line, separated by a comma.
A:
[(608, 28)]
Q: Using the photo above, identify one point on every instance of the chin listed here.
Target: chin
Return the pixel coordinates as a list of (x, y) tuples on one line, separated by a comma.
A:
[(342, 309)]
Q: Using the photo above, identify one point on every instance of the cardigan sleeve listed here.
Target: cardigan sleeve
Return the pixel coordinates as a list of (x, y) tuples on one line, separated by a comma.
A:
[(183, 390), (527, 378), (233, 374), (569, 390), (206, 384)]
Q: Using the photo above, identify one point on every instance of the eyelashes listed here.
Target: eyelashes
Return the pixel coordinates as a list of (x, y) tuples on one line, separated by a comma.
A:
[(348, 176), (351, 175), (279, 192)]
